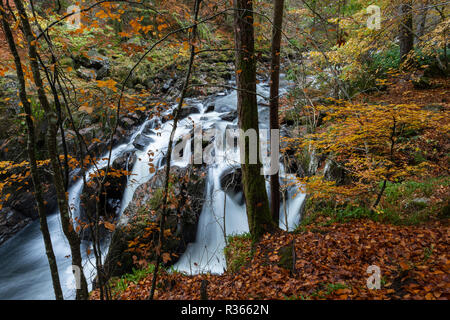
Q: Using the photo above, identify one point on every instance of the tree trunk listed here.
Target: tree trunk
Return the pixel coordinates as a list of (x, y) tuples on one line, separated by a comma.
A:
[(274, 101), (257, 203), (33, 163), (72, 236), (422, 20), (162, 222), (406, 35)]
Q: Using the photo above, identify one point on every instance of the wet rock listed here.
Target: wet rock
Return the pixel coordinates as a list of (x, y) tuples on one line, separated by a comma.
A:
[(151, 125), (74, 175), (231, 180), (168, 84), (91, 132), (209, 108), (188, 187), (20, 209), (98, 148), (120, 136), (110, 199), (231, 127), (188, 110), (127, 122), (125, 161), (11, 222), (25, 203), (224, 107), (230, 116), (333, 172), (142, 141)]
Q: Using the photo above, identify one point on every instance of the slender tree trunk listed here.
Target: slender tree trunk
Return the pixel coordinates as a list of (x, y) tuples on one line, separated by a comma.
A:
[(406, 34), (72, 236), (274, 101), (257, 203), (422, 19), (33, 163), (162, 223)]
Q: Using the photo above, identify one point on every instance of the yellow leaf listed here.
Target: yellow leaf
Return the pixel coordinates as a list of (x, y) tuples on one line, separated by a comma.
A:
[(87, 109)]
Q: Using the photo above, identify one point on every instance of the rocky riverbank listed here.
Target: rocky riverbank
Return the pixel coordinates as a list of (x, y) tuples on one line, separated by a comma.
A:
[(19, 209)]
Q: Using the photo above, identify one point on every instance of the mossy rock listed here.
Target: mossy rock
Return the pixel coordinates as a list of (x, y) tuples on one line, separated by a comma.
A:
[(119, 260), (286, 257), (67, 62), (434, 70), (140, 221), (445, 212)]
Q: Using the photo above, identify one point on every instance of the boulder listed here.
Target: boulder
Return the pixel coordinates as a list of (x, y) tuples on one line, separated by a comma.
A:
[(25, 203), (188, 110), (230, 116), (209, 108), (151, 125), (334, 172), (417, 204), (127, 122), (231, 180), (86, 73), (20, 208), (168, 84), (144, 211), (93, 61), (11, 222), (142, 141), (91, 132), (422, 83), (110, 199)]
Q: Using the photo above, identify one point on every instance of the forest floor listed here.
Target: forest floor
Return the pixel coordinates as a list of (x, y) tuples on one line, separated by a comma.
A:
[(400, 90), (331, 262)]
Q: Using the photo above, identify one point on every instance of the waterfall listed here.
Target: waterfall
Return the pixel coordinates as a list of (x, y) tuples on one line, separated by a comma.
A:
[(24, 272)]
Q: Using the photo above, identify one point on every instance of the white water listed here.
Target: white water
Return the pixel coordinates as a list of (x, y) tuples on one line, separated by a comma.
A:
[(24, 271), (206, 253)]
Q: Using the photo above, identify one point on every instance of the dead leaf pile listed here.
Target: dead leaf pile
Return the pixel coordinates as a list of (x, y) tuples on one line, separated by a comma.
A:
[(331, 263)]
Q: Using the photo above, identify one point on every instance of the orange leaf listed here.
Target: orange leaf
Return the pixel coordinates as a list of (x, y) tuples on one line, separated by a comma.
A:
[(109, 226)]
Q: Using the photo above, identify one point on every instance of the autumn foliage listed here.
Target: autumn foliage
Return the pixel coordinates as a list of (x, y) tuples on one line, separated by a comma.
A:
[(372, 144), (331, 263)]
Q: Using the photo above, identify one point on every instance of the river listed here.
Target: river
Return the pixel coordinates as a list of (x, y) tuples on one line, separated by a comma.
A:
[(24, 270)]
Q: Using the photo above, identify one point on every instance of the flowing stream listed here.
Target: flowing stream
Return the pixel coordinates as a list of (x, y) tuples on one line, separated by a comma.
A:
[(24, 271)]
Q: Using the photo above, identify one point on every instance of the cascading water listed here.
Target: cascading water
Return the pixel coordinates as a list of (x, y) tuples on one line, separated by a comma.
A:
[(224, 214), (24, 271)]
